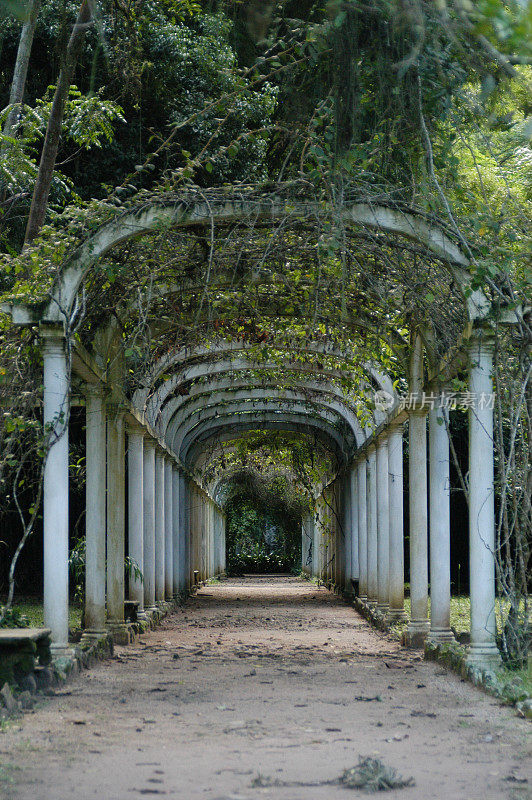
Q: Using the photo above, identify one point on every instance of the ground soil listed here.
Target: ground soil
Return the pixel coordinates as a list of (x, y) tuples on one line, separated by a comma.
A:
[(272, 677)]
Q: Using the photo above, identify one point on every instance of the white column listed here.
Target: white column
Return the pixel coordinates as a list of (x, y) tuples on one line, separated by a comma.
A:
[(168, 531), (353, 489), (116, 498), (347, 531), (419, 623), (55, 500), (149, 523), (176, 532), (135, 449), (95, 521), (383, 524), (184, 543), (371, 497), (395, 496), (362, 531), (159, 525), (483, 649), (439, 516)]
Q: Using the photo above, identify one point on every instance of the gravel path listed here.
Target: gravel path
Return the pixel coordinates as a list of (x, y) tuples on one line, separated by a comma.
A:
[(272, 677)]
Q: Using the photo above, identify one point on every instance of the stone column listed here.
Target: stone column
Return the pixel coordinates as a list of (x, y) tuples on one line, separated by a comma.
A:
[(55, 489), (371, 497), (439, 515), (362, 531), (149, 523), (184, 548), (395, 496), (483, 648), (168, 531), (176, 532), (135, 438), (347, 531), (116, 490), (383, 525), (95, 515), (418, 626), (159, 525), (353, 488)]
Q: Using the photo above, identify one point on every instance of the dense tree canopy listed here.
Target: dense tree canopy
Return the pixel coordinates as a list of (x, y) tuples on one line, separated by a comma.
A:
[(422, 106)]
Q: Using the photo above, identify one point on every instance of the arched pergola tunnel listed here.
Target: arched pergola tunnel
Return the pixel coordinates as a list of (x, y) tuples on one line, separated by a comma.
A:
[(155, 440)]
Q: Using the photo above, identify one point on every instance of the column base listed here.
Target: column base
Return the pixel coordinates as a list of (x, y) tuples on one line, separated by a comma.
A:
[(93, 634), (61, 651), (416, 633), (440, 635), (122, 632), (483, 656), (396, 615), (383, 608)]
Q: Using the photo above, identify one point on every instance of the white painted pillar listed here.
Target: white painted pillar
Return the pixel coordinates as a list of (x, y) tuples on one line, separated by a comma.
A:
[(395, 496), (95, 522), (347, 531), (135, 461), (353, 489), (116, 498), (168, 531), (184, 580), (371, 497), (419, 623), (362, 531), (483, 648), (149, 523), (176, 532), (55, 489), (159, 525), (383, 525), (440, 517)]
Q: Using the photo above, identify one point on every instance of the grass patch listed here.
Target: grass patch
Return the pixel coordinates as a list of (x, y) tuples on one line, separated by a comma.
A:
[(460, 613), (32, 609)]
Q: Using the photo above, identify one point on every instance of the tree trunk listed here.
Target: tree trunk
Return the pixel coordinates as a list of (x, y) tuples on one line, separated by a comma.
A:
[(21, 66), (39, 202)]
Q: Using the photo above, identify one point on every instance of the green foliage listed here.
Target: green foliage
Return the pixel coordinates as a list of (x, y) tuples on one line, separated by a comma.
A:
[(13, 618)]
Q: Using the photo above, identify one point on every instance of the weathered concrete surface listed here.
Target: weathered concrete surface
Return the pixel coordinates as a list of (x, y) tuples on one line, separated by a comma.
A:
[(272, 677)]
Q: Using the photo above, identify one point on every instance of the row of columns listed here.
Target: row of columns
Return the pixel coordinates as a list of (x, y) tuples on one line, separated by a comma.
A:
[(157, 514), (376, 503), (155, 573)]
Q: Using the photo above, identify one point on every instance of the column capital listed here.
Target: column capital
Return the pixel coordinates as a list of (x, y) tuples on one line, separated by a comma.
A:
[(149, 441), (94, 390), (481, 341), (136, 428), (53, 338), (382, 438)]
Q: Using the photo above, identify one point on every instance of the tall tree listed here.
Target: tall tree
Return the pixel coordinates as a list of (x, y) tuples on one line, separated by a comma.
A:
[(21, 65), (39, 202)]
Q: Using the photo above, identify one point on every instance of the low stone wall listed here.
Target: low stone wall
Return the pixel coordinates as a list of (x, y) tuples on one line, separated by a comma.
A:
[(90, 650), (453, 656)]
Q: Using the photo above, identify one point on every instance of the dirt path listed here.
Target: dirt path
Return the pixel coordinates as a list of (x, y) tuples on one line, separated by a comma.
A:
[(269, 676)]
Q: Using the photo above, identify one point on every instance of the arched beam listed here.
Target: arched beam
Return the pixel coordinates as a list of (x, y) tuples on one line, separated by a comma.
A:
[(256, 419), (215, 368), (227, 429), (254, 408), (275, 397), (172, 213), (234, 387), (205, 353)]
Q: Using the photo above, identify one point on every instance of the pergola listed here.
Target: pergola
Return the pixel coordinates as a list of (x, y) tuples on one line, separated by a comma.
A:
[(175, 527)]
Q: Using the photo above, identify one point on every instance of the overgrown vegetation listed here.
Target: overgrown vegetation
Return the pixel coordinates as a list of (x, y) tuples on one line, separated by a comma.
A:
[(422, 106)]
